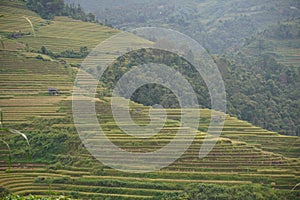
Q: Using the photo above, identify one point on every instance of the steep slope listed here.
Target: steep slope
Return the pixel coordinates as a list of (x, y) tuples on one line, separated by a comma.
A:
[(264, 74), (243, 155), (26, 73), (218, 25), (260, 34), (280, 41), (60, 164)]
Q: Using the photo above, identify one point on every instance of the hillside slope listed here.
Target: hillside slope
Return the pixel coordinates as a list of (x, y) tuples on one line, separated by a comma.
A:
[(60, 164), (26, 72), (218, 25), (263, 36), (280, 41)]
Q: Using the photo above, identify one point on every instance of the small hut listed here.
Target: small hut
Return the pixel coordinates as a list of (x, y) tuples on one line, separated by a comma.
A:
[(53, 91), (63, 62)]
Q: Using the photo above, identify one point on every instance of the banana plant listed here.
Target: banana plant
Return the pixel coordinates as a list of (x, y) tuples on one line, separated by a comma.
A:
[(31, 25), (295, 186), (9, 154), (25, 137), (8, 146)]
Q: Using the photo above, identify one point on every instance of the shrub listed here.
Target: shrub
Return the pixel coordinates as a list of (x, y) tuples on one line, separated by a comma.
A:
[(97, 170), (39, 57)]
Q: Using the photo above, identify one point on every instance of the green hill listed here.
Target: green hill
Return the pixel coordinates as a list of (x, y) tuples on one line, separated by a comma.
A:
[(225, 28), (263, 36), (280, 41), (246, 158), (218, 25)]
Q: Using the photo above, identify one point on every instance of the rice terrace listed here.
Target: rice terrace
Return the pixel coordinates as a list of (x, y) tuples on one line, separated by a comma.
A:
[(43, 47)]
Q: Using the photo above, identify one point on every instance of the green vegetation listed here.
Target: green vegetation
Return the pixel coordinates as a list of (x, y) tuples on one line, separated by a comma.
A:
[(220, 26), (32, 197), (83, 52), (152, 94), (209, 192), (247, 162), (255, 97), (257, 45), (49, 9), (244, 154)]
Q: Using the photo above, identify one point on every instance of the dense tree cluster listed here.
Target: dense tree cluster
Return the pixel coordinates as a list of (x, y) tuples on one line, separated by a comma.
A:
[(262, 92), (48, 9), (218, 25), (69, 53), (152, 94), (216, 192)]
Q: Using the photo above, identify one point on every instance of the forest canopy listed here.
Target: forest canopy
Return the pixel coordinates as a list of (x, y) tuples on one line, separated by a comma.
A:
[(48, 9)]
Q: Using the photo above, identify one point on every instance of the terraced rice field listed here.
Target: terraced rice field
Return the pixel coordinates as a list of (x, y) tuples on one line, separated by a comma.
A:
[(244, 154), (24, 80), (24, 87), (52, 38), (230, 162), (57, 35), (290, 56), (236, 159), (12, 17)]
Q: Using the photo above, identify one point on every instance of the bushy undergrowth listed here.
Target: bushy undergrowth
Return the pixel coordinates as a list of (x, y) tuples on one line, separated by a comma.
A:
[(218, 192), (33, 197)]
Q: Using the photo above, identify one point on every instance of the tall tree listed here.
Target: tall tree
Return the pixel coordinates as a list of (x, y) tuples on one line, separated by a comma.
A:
[(47, 9)]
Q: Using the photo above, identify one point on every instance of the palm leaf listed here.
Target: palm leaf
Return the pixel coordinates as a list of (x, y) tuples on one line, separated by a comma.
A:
[(25, 137)]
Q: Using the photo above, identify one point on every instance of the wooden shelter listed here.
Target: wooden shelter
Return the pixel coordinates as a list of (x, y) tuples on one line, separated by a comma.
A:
[(53, 91)]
